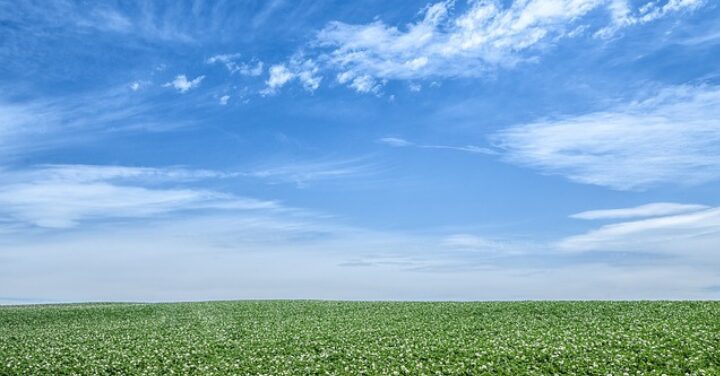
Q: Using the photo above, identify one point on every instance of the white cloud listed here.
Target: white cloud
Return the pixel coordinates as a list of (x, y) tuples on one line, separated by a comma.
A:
[(309, 80), (362, 84), (223, 58), (304, 70), (650, 210), (182, 84), (693, 235), (224, 100), (671, 137), (135, 86), (365, 84), (279, 76), (253, 69), (63, 196), (487, 34)]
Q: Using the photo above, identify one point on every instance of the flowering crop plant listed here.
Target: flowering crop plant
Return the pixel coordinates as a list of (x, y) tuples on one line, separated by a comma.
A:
[(362, 338)]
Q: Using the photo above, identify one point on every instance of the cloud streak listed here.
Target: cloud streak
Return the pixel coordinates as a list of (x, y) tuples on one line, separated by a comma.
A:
[(303, 174), (399, 142), (649, 210)]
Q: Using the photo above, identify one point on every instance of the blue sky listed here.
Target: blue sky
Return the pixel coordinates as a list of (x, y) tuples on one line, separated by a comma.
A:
[(469, 150)]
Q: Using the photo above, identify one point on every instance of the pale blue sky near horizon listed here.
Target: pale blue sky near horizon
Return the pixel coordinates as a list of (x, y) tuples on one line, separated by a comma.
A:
[(412, 150)]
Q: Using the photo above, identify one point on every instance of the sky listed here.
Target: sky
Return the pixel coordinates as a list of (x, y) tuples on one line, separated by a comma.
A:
[(359, 150)]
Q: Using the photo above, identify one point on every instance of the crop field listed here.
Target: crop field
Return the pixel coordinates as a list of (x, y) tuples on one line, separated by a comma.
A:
[(362, 338)]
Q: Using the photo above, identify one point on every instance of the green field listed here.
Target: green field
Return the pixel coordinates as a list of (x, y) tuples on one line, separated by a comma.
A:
[(347, 338)]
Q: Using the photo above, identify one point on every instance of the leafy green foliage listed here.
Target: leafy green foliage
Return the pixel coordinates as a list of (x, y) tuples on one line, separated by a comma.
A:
[(362, 338)]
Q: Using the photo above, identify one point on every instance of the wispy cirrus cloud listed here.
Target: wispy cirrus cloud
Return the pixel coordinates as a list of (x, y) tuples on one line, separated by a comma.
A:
[(29, 126), (669, 138), (175, 23), (46, 122), (17, 120)]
